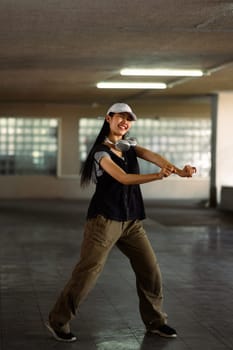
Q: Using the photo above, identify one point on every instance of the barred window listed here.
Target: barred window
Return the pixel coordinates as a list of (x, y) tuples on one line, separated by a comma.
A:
[(180, 140), (28, 146)]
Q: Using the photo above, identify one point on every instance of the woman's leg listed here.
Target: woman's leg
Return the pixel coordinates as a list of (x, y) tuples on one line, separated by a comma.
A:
[(99, 237), (136, 246)]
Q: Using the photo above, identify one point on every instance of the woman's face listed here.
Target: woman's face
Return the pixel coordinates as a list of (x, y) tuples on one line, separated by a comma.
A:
[(120, 123)]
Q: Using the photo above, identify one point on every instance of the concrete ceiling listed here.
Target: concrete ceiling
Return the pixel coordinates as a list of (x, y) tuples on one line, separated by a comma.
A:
[(57, 50)]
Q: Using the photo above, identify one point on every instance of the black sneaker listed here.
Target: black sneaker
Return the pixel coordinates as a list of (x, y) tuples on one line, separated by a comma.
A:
[(61, 336), (164, 331)]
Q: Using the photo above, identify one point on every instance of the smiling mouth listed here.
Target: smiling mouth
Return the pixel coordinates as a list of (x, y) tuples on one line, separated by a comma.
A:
[(122, 127)]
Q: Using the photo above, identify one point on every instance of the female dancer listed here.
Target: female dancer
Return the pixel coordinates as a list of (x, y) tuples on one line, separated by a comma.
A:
[(115, 217)]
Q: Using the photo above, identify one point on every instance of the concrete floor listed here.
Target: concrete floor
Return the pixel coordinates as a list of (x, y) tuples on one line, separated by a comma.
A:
[(39, 245)]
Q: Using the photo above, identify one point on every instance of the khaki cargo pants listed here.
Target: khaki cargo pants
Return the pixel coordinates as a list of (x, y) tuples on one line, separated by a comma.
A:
[(100, 235)]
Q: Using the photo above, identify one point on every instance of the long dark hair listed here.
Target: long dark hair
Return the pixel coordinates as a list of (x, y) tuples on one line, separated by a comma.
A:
[(86, 170)]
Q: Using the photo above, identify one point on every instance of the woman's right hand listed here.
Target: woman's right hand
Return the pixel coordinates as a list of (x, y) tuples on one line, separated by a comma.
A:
[(166, 171)]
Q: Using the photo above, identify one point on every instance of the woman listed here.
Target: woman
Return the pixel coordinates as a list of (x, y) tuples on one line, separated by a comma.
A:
[(114, 218)]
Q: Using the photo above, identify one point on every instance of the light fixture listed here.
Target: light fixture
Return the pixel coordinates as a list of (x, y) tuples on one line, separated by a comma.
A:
[(162, 72), (125, 85)]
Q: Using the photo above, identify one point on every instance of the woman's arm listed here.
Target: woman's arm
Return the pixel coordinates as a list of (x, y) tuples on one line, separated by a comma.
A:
[(162, 162), (131, 179)]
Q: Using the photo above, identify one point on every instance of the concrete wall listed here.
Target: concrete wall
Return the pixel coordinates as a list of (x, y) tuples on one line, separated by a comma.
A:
[(66, 183), (224, 153)]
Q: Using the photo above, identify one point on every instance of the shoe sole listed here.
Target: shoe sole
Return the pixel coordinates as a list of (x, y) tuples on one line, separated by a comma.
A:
[(156, 332), (51, 330)]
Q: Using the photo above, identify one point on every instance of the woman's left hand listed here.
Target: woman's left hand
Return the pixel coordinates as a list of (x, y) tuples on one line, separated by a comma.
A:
[(188, 171)]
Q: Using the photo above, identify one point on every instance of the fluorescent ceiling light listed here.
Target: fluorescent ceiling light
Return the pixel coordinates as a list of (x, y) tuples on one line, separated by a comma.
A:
[(163, 72), (116, 85)]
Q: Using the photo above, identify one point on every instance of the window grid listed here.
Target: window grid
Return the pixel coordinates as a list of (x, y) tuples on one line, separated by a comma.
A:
[(180, 140), (28, 146)]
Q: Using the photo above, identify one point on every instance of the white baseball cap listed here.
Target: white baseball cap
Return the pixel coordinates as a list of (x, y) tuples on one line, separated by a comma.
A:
[(122, 108)]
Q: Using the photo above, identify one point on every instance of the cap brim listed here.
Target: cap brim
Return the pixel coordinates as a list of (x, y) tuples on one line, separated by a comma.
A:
[(133, 116)]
